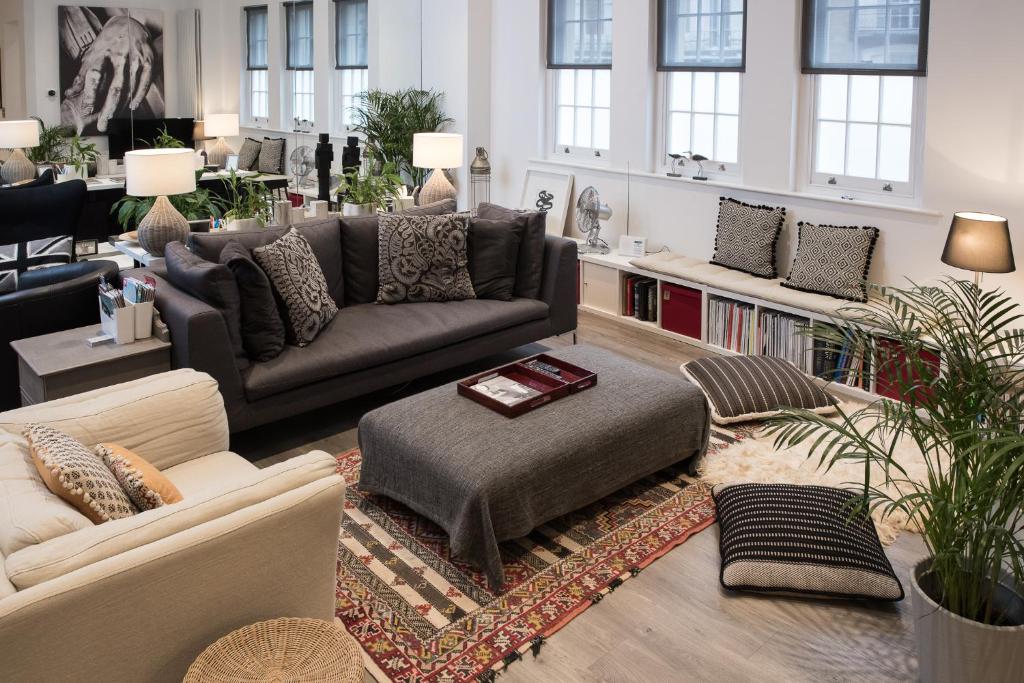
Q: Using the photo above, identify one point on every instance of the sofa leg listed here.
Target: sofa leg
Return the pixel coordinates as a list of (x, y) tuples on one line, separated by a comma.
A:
[(574, 340)]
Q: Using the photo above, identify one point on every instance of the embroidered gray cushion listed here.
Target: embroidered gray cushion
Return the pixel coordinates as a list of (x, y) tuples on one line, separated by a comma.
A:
[(271, 156), (423, 258), (747, 236), (299, 284), (833, 260), (249, 155)]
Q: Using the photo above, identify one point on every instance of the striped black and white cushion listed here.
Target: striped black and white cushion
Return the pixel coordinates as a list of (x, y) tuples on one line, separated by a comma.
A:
[(741, 388), (807, 540)]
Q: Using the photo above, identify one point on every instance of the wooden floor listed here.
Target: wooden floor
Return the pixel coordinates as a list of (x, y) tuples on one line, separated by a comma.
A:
[(673, 622)]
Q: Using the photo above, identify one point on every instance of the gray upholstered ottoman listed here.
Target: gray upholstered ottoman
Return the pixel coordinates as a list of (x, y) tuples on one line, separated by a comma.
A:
[(486, 478)]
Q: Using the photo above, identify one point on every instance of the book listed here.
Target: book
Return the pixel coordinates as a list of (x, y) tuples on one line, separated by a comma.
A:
[(630, 283), (652, 302), (505, 390)]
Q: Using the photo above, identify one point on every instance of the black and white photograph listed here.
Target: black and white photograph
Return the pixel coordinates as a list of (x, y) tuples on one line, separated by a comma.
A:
[(111, 65)]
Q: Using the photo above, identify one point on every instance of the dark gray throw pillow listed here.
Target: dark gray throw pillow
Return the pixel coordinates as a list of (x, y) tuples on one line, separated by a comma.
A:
[(359, 251), (747, 236), (211, 283), (423, 258), (271, 156), (299, 283), (493, 256), (249, 155), (833, 260), (263, 334), (530, 267)]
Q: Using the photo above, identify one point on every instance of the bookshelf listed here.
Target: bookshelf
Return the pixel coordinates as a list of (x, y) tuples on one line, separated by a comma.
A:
[(725, 322)]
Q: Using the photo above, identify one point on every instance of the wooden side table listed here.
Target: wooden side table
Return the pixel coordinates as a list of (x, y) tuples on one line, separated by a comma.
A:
[(63, 364)]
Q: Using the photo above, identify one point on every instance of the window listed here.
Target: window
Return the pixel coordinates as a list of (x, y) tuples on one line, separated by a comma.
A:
[(702, 51), (580, 60), (299, 63), (258, 93), (867, 60), (350, 36)]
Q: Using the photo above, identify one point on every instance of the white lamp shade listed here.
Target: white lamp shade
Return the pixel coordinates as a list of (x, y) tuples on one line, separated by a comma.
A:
[(157, 172), (19, 134), (437, 150), (221, 125)]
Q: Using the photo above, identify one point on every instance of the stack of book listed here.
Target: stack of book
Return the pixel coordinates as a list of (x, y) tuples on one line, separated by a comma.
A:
[(781, 337), (842, 363), (732, 325), (641, 297)]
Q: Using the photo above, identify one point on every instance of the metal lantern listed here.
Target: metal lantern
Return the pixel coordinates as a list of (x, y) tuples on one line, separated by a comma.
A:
[(479, 179)]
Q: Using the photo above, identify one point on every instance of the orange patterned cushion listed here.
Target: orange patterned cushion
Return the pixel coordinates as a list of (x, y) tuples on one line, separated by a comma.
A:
[(143, 483)]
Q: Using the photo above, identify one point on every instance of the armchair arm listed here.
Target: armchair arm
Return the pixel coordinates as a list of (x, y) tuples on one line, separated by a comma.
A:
[(558, 287)]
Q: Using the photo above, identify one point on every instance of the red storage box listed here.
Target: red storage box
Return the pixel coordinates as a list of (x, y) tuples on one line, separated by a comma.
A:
[(894, 369), (681, 310)]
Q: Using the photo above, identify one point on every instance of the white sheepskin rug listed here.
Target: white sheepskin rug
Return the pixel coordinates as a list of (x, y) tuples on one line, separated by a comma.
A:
[(756, 460)]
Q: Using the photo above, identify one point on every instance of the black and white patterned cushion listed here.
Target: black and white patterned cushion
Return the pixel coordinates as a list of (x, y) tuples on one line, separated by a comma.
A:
[(833, 260), (742, 388), (271, 156), (747, 236), (18, 258), (423, 258), (300, 284), (249, 155), (806, 540)]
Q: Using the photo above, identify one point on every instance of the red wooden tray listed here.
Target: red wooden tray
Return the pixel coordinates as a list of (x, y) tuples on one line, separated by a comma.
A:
[(570, 380)]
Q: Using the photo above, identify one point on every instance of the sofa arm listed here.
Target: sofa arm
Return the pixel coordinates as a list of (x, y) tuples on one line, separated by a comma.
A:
[(558, 287), (168, 418), (274, 559), (199, 339)]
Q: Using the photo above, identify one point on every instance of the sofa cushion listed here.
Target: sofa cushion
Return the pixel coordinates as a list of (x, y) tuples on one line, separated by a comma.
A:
[(323, 235), (359, 250), (212, 284), (263, 333), (6, 587), (366, 336), (423, 258), (530, 266), (59, 556), (215, 472), (144, 484), (271, 158), (29, 512), (493, 256), (299, 284)]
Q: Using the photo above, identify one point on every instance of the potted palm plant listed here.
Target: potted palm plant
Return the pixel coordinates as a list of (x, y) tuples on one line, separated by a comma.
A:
[(53, 145), (363, 195), (966, 415), (247, 205)]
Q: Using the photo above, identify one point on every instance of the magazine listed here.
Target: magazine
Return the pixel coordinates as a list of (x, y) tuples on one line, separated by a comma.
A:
[(505, 390)]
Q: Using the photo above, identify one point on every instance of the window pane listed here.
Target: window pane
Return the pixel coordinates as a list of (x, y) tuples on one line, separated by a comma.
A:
[(679, 133), (831, 148), (727, 139), (704, 135), (898, 99), (565, 126), (584, 88), (583, 128), (862, 150), (728, 94), (680, 84), (864, 98), (832, 97), (566, 86), (894, 154), (603, 88), (704, 92), (602, 129)]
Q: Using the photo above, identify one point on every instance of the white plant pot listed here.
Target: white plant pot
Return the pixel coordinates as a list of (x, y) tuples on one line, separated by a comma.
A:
[(951, 648), (357, 209), (244, 224)]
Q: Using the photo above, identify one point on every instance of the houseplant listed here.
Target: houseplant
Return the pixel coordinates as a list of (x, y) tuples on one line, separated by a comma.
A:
[(247, 205), (363, 195), (197, 207), (388, 120), (966, 418), (80, 155), (53, 144)]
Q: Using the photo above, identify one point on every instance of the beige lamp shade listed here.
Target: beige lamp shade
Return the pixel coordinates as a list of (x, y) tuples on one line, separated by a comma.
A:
[(979, 242), (19, 134), (159, 172), (220, 125), (437, 150)]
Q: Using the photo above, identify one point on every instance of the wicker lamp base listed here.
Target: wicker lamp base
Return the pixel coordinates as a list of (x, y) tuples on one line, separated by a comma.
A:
[(281, 650), (218, 154), (17, 168), (161, 226), (438, 188)]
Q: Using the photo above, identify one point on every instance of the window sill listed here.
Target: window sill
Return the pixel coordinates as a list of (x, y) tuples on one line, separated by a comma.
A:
[(732, 185)]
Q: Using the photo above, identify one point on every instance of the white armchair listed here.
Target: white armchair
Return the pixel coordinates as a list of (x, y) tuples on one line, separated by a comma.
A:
[(138, 599)]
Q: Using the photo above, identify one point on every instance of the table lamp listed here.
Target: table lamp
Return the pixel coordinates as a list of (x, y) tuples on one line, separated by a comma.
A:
[(17, 135), (159, 173), (979, 242), (437, 151), (220, 126)]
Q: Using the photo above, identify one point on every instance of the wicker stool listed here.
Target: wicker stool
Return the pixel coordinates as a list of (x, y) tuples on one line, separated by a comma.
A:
[(281, 650)]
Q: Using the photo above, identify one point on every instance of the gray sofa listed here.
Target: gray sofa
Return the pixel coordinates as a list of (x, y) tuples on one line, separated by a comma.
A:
[(367, 347)]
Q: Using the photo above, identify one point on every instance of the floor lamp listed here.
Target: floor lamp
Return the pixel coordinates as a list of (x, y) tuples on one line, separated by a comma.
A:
[(979, 242)]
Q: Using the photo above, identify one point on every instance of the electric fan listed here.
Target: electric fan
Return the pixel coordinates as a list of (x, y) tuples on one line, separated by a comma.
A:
[(302, 163), (589, 214)]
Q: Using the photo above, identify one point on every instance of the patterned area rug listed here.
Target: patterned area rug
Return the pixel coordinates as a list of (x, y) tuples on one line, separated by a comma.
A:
[(421, 614)]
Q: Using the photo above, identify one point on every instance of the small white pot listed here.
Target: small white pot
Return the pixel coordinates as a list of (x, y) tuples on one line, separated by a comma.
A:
[(357, 209), (244, 225)]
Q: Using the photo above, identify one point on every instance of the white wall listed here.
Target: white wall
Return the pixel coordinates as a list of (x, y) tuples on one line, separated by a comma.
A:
[(12, 47), (974, 132)]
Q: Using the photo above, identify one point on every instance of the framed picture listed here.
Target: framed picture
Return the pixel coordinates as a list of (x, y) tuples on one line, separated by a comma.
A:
[(231, 162), (549, 192)]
